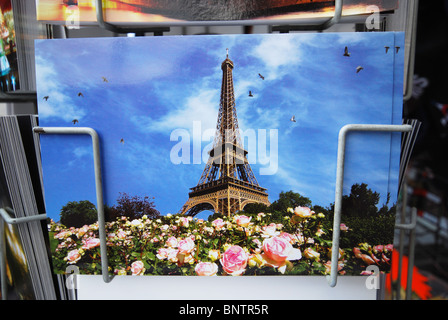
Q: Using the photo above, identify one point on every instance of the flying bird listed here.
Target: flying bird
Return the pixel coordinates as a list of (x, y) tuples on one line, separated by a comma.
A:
[(250, 94), (80, 94), (104, 79), (46, 98), (387, 48), (75, 121), (398, 48), (122, 141), (293, 119), (358, 69), (261, 76), (346, 53)]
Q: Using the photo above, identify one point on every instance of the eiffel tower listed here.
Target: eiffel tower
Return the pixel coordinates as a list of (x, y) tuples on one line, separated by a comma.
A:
[(227, 183)]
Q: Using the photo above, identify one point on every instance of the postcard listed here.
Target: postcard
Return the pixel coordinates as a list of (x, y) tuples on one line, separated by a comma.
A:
[(194, 12), (219, 152)]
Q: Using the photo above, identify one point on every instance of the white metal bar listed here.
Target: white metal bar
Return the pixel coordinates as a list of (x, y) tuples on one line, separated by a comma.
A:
[(125, 29), (98, 185), (338, 5), (332, 278), (136, 29), (10, 220)]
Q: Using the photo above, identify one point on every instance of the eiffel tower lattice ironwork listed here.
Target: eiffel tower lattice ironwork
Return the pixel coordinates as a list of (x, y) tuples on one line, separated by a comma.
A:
[(227, 183)]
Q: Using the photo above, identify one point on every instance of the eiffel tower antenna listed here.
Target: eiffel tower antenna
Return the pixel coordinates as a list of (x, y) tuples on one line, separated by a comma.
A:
[(227, 183)]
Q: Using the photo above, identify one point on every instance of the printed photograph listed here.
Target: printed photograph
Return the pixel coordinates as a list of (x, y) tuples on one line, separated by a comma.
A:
[(9, 72), (219, 152), (171, 12)]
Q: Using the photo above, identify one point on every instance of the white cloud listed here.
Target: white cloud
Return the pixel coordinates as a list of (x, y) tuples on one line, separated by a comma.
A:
[(57, 104), (279, 52), (201, 107)]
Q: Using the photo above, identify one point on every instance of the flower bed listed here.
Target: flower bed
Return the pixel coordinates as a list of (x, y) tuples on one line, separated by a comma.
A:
[(297, 243)]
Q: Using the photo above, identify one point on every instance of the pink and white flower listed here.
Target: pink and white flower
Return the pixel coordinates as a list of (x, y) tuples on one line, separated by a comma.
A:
[(171, 242), (162, 253), (269, 230), (277, 251), (137, 268), (234, 260), (303, 212), (73, 256), (242, 220), (218, 223), (206, 269), (186, 245), (185, 222), (90, 243)]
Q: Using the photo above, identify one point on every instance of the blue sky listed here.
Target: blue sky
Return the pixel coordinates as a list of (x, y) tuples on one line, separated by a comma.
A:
[(157, 85)]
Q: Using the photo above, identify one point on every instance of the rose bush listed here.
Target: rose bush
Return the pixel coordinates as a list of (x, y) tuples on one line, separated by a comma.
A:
[(299, 242)]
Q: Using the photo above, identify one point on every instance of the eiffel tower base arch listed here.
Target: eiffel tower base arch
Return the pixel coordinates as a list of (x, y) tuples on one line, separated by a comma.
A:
[(227, 200)]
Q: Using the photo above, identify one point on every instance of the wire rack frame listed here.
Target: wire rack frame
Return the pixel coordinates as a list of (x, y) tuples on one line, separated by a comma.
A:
[(332, 278)]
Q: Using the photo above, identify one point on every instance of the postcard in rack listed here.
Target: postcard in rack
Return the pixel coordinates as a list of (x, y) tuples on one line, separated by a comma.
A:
[(219, 152), (194, 12), (9, 74)]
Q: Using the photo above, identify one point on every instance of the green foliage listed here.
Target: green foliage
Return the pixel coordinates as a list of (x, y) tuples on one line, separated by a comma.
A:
[(76, 214), (132, 207), (137, 234), (287, 200), (378, 229)]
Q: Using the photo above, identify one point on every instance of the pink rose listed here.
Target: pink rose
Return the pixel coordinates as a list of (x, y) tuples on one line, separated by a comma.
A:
[(366, 273), (137, 268), (357, 252), (162, 253), (242, 221), (218, 223), (206, 269), (234, 260), (343, 227), (90, 243), (63, 235), (121, 235), (184, 222), (270, 230), (73, 256), (171, 242), (279, 250), (303, 212), (378, 248), (367, 259), (288, 237), (186, 245), (389, 247)]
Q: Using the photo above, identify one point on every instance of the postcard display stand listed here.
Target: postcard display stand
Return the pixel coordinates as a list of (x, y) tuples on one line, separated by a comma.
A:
[(107, 288), (72, 281)]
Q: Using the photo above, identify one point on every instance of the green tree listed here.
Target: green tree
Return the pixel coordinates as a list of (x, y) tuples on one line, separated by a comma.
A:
[(78, 213), (133, 207), (255, 208), (362, 201), (289, 199)]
